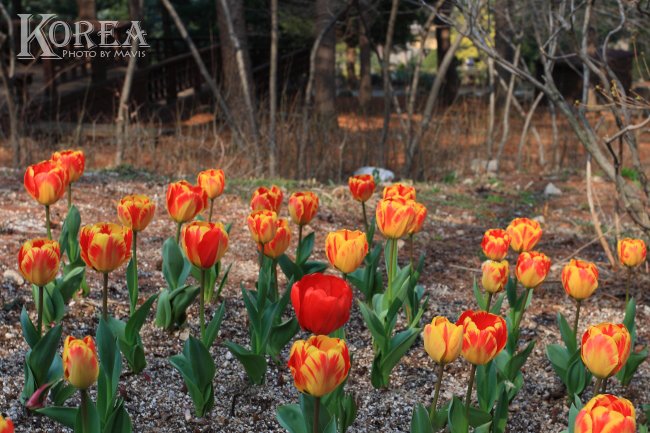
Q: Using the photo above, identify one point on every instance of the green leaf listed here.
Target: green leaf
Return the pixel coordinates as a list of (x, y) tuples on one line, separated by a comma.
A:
[(375, 325), (626, 374), (517, 361), (255, 365), (29, 330), (500, 417), (478, 417), (91, 423), (567, 334), (481, 300), (486, 385), (137, 319), (559, 358), (458, 423), (43, 353), (281, 335), (71, 282), (176, 267), (576, 378), (110, 367), (201, 361), (307, 405), (305, 248), (119, 421), (420, 420), (630, 313), (496, 307), (573, 413), (399, 345), (291, 270), (63, 415), (212, 330), (290, 417)]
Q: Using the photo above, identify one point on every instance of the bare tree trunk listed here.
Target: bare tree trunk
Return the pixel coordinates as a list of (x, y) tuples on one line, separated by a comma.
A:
[(87, 9), (350, 66), (325, 64), (7, 78), (506, 111), (365, 52), (524, 132), (443, 38), (388, 46), (492, 107), (273, 89)]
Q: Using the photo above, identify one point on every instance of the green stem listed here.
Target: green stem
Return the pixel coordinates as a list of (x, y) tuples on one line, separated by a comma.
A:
[(211, 206), (260, 257), (627, 285), (436, 394), (202, 304), (134, 254), (69, 195), (178, 232), (365, 217), (299, 235), (575, 321), (523, 308), (274, 269), (604, 387), (85, 421), (597, 386), (40, 311), (105, 297), (489, 301), (47, 222), (468, 396), (391, 268), (411, 248), (316, 414)]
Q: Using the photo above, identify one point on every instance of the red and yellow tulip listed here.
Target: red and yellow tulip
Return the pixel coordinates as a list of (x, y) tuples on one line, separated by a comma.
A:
[(495, 275), (46, 182), (418, 219), (346, 249), (267, 199), (72, 161), (362, 187), (394, 216), (484, 336), (105, 246), (204, 243), (6, 425), (262, 225), (319, 365), (605, 349), (212, 181), (524, 234), (185, 201), (136, 211), (631, 252), (80, 362), (495, 244), (532, 268), (322, 302), (443, 340), (399, 190), (606, 413), (303, 207), (280, 242), (38, 260), (580, 279)]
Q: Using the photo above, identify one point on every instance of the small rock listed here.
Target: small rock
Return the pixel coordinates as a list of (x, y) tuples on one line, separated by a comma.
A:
[(13, 276), (384, 174), (188, 415), (184, 335), (228, 355), (551, 189), (540, 219)]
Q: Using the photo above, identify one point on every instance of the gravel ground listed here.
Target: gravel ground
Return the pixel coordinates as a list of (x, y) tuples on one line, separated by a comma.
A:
[(157, 400)]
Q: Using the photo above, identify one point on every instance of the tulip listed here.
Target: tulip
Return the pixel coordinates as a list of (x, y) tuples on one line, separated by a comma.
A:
[(532, 269), (262, 225), (362, 187), (443, 342), (495, 277), (606, 413), (318, 366), (213, 182), (46, 183), (6, 425), (280, 242), (524, 234), (267, 199), (184, 202), (399, 190), (346, 249), (135, 212), (495, 244), (580, 280), (484, 336), (80, 362), (322, 302), (38, 262), (73, 162), (105, 247), (605, 349), (394, 216), (302, 208), (631, 253)]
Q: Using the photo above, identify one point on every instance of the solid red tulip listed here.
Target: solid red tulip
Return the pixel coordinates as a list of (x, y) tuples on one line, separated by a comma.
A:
[(322, 302)]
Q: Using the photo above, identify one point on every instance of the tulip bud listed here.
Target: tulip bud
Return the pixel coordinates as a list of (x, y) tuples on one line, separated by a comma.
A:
[(267, 199), (631, 252), (579, 279), (399, 190), (319, 365), (38, 400), (418, 219), (185, 201), (605, 349), (38, 261), (105, 246), (346, 249), (394, 217), (262, 225), (322, 302), (204, 243), (281, 241), (484, 336), (303, 207), (6, 425), (532, 268), (46, 182), (495, 244), (72, 161), (495, 275), (606, 413), (136, 211), (443, 340), (524, 234), (212, 181), (361, 186), (80, 363)]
